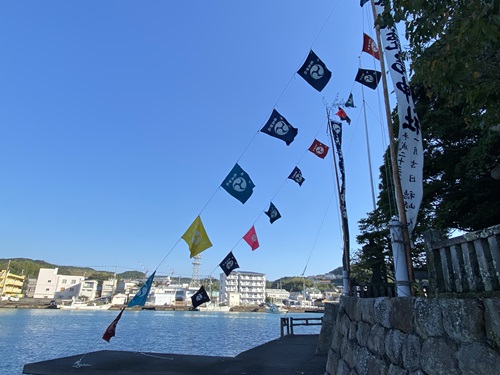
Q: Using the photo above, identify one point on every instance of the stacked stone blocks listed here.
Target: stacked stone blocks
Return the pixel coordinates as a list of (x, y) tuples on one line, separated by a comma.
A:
[(417, 336)]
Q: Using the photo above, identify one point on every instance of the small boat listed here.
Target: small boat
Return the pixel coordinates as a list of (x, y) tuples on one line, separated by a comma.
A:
[(214, 307), (275, 309), (53, 305), (82, 305)]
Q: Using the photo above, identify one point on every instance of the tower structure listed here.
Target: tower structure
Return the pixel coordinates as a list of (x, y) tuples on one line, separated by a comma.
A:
[(195, 278)]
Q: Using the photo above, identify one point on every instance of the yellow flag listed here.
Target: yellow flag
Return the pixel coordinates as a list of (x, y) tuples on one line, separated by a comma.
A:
[(196, 238)]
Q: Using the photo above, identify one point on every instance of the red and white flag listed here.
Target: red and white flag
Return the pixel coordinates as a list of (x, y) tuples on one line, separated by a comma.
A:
[(370, 47), (319, 149), (251, 238), (111, 330)]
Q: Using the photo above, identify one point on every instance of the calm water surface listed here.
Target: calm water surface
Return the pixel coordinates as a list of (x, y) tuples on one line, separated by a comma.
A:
[(35, 335)]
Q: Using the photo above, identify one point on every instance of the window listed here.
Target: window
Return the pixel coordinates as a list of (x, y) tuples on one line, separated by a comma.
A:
[(73, 281), (64, 281), (71, 289), (47, 289), (62, 289), (49, 281)]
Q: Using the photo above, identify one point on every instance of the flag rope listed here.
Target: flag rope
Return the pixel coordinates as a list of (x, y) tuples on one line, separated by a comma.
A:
[(284, 182)]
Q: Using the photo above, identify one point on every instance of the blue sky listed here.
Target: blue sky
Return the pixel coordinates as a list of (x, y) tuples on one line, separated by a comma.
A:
[(120, 120)]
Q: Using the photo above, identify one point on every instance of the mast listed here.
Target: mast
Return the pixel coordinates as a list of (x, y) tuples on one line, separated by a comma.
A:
[(407, 263), (368, 150), (346, 261)]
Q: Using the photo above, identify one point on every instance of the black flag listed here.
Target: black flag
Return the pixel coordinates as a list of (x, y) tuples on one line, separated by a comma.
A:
[(369, 78), (229, 264), (273, 213), (200, 297), (277, 126), (296, 175), (315, 72)]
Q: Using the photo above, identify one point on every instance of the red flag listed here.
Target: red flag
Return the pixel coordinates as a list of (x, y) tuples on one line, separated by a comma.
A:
[(319, 149), (251, 238), (110, 331), (370, 47), (343, 116)]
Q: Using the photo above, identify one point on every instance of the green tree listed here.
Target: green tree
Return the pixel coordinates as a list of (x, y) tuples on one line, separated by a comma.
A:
[(455, 53)]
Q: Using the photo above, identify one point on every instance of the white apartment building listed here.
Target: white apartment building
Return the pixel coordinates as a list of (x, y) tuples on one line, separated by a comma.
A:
[(51, 285), (249, 286)]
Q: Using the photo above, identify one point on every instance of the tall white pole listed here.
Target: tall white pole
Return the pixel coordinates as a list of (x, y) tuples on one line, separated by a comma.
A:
[(368, 150)]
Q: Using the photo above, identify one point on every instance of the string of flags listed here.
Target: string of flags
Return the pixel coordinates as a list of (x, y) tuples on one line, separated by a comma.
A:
[(239, 185)]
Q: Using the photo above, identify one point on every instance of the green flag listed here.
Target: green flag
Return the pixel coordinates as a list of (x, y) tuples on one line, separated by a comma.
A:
[(350, 101)]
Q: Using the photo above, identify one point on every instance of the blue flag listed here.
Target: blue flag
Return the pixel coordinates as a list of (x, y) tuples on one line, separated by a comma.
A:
[(141, 296), (238, 184)]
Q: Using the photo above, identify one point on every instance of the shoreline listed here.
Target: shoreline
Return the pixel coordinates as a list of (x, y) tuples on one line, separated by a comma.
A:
[(44, 304)]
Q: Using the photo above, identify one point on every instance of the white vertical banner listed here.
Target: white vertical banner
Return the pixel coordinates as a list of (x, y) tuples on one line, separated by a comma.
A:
[(410, 150)]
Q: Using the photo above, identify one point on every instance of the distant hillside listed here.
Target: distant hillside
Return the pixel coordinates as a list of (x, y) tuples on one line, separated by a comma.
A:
[(30, 268)]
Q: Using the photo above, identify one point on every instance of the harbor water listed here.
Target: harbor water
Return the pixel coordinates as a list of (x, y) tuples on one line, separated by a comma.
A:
[(32, 335)]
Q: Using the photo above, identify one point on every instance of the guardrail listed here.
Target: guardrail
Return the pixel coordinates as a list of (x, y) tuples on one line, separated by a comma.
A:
[(287, 323)]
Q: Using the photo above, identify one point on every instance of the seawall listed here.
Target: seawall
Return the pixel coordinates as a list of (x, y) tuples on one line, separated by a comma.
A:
[(412, 336)]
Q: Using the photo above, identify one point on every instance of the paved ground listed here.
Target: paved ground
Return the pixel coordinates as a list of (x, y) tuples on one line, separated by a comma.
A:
[(289, 355)]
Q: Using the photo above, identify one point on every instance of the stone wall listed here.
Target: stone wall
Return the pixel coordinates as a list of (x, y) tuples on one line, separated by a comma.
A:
[(415, 336)]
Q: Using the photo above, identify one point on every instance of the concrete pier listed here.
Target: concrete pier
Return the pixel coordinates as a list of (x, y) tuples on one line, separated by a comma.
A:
[(289, 355)]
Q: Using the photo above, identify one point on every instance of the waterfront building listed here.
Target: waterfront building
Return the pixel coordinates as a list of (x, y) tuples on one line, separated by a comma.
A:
[(164, 296), (250, 287), (313, 294), (119, 299), (29, 287), (51, 285), (127, 287), (10, 284), (89, 290), (108, 288), (277, 296)]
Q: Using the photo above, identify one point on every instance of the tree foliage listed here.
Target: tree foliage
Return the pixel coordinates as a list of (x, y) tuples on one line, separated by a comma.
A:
[(455, 53), (292, 284)]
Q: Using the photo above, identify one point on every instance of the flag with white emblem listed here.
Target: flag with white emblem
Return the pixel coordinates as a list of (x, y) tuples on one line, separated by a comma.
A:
[(229, 264), (196, 237), (315, 72), (296, 175), (251, 238), (277, 126), (200, 297), (238, 184), (319, 149), (273, 213), (369, 78), (370, 47), (142, 295)]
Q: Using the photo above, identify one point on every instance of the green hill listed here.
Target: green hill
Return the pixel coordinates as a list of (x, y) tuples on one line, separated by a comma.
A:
[(30, 268)]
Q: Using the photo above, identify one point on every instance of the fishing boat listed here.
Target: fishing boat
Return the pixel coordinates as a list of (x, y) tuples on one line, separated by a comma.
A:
[(82, 305), (275, 309)]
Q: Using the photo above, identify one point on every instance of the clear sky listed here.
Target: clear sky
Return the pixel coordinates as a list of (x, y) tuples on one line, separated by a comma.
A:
[(120, 119)]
